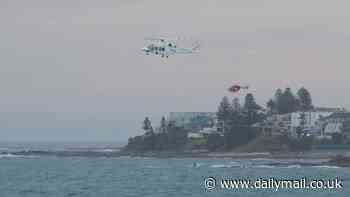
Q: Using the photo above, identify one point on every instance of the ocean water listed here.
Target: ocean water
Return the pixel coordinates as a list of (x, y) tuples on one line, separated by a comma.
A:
[(149, 177)]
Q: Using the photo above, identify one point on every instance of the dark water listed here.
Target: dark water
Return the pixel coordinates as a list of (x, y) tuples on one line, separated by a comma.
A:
[(119, 177)]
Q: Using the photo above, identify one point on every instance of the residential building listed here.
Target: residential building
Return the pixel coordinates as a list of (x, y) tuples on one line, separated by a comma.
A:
[(336, 123), (291, 123), (277, 124), (209, 130), (194, 121), (313, 120), (192, 135)]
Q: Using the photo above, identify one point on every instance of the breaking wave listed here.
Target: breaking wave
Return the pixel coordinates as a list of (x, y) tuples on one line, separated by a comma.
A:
[(325, 166), (8, 155)]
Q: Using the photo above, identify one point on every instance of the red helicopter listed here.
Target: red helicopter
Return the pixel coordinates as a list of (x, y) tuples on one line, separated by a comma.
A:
[(237, 88)]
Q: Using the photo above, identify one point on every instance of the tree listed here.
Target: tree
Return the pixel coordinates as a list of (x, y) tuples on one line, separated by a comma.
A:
[(147, 126), (345, 129), (337, 138), (238, 135), (277, 100), (251, 108), (305, 100), (224, 110), (214, 141), (174, 139), (249, 103), (271, 105), (236, 106), (302, 123), (287, 102), (163, 124), (302, 144)]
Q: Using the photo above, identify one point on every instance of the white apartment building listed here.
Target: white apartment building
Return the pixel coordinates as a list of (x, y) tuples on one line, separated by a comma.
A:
[(335, 122), (312, 119)]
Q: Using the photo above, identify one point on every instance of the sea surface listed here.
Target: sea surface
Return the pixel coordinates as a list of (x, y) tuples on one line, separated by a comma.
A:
[(48, 176)]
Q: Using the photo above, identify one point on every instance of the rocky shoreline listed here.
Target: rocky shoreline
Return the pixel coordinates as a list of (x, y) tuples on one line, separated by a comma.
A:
[(328, 158), (340, 161)]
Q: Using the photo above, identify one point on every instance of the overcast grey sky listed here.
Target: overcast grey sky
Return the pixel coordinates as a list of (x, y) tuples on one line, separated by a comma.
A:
[(73, 70)]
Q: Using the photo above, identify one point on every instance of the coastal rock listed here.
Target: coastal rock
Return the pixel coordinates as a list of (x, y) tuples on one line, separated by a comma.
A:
[(340, 160)]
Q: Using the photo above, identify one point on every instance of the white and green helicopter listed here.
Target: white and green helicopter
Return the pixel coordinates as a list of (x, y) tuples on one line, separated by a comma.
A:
[(165, 48)]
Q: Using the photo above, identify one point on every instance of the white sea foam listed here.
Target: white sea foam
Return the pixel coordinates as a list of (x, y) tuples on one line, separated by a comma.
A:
[(16, 156), (263, 159), (231, 165), (220, 166), (293, 166), (124, 157), (153, 167), (325, 166), (265, 166), (106, 150), (274, 166)]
